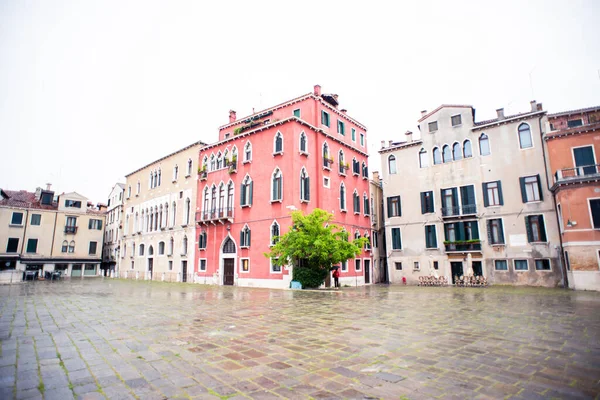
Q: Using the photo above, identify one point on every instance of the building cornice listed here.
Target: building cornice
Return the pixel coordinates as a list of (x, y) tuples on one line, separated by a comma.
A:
[(198, 143), (400, 146), (579, 130), (507, 120)]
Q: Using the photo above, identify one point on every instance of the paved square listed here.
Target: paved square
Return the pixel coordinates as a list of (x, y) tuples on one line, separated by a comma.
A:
[(116, 339)]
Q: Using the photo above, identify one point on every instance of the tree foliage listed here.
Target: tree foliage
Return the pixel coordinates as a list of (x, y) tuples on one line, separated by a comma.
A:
[(318, 243)]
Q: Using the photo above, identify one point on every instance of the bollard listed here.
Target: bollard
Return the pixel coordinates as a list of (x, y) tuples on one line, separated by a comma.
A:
[(162, 277)]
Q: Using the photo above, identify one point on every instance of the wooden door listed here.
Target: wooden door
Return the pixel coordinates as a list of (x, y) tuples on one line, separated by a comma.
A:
[(457, 270), (184, 271), (228, 271), (367, 271)]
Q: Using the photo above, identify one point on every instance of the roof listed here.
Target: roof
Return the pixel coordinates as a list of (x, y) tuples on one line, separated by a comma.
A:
[(121, 185), (574, 131), (198, 143), (508, 118), (424, 117), (571, 112), (400, 145), (24, 199)]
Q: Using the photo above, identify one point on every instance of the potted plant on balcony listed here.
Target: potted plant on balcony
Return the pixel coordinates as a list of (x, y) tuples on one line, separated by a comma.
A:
[(202, 172), (237, 131)]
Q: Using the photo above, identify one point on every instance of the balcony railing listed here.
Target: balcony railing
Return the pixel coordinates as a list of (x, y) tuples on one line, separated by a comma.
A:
[(70, 229), (215, 214), (463, 246), (468, 209), (587, 171)]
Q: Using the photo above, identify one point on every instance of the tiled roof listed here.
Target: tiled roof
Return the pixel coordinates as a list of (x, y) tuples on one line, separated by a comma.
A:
[(506, 118), (24, 199), (570, 112), (429, 114), (574, 131)]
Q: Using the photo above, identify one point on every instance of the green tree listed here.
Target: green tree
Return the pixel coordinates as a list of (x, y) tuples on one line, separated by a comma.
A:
[(316, 242)]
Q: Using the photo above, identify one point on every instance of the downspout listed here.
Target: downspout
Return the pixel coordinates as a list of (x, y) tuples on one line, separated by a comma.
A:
[(561, 252), (24, 232), (53, 235)]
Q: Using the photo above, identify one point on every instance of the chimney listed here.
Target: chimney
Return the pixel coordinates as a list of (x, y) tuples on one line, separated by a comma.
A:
[(232, 116), (408, 136), (539, 107), (382, 144), (390, 143), (376, 176), (317, 90), (500, 112), (38, 193), (423, 113), (101, 207), (344, 111), (533, 105), (48, 186)]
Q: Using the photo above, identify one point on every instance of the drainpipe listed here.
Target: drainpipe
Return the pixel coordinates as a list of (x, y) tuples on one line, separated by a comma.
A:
[(561, 250), (24, 234)]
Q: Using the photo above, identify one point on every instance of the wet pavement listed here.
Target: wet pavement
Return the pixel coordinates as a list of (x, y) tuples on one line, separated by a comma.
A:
[(117, 339)]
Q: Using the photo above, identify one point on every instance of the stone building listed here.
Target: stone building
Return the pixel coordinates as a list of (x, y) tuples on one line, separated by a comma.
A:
[(112, 234), (471, 197), (380, 271), (572, 139), (43, 233)]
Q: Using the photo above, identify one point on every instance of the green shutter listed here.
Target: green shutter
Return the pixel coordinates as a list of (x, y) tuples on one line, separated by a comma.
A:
[(242, 237), (474, 229), (434, 235), (528, 229), (423, 205), (454, 197), (250, 194), (488, 225), (460, 230), (542, 228), (399, 206), (500, 193), (486, 200), (249, 237), (242, 195), (389, 207), (523, 191), (539, 181), (501, 227), (90, 224), (99, 224), (307, 188)]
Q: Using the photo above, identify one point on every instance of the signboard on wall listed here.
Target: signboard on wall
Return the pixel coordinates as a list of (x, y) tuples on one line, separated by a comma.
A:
[(518, 240)]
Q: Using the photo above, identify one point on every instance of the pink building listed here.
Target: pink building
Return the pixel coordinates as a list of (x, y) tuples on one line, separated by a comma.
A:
[(303, 154)]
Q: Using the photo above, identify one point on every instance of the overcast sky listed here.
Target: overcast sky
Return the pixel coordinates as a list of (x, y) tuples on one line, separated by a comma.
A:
[(92, 90)]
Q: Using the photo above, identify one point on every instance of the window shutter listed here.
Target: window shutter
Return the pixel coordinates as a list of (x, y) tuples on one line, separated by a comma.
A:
[(486, 200), (423, 205), (500, 193), (249, 233), (242, 195), (539, 182), (523, 192), (90, 224), (488, 225), (528, 229), (307, 188), (242, 238), (389, 207), (399, 239), (474, 229), (434, 236), (501, 233), (427, 236), (460, 228), (250, 193), (454, 197), (99, 224), (542, 227), (399, 206), (274, 189)]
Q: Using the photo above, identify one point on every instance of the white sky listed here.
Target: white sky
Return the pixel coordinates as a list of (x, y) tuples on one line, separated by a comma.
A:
[(92, 90)]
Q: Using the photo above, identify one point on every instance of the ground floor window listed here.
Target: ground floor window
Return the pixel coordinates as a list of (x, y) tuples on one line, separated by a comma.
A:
[(417, 266), (357, 265), (76, 270), (542, 265), (170, 265), (398, 266), (436, 265), (61, 267), (90, 269), (344, 266), (500, 265), (275, 268), (521, 265), (245, 265)]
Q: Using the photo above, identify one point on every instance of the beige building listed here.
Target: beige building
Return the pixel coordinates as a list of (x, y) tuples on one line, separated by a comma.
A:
[(112, 234), (41, 233), (158, 236), (380, 274), (470, 198)]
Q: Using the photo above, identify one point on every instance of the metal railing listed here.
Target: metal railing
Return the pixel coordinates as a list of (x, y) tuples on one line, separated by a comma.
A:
[(468, 209), (577, 172), (465, 247), (70, 229), (214, 214)]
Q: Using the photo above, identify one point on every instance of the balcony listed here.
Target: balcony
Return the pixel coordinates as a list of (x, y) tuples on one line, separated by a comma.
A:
[(578, 174), (232, 166), (465, 210), (71, 229), (463, 246), (217, 214)]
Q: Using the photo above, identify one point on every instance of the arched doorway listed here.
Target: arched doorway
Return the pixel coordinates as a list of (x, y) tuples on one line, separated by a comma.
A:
[(150, 261), (229, 252)]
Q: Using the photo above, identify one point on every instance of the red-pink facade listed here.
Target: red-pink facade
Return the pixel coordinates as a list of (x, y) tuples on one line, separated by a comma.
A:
[(288, 143)]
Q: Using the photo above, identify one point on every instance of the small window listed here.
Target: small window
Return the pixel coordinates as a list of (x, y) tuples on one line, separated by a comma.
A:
[(437, 156), (245, 265), (73, 203), (201, 264), (278, 145), (456, 120), (467, 151), (344, 266), (521, 265), (362, 139), (47, 198), (357, 264), (326, 182), (423, 160), (36, 219), (416, 266), (202, 239), (500, 265), (141, 249), (248, 152), (574, 122), (542, 265), (436, 265), (303, 145), (398, 266), (297, 113), (93, 247), (170, 265), (274, 267), (484, 145), (17, 218), (32, 245), (392, 165), (341, 128), (525, 136), (396, 239), (64, 247), (427, 204), (72, 247), (433, 126), (324, 118), (161, 248), (353, 135)]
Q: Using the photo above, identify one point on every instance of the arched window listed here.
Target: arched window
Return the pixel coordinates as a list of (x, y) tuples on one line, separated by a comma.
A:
[(174, 213), (356, 202), (246, 192), (65, 246), (525, 136), (171, 245), (304, 185), (437, 156), (161, 248), (136, 223), (368, 244), (274, 233), (303, 144), (127, 224), (150, 251), (248, 152), (202, 240), (219, 161), (342, 197), (151, 181), (355, 166), (221, 199), (143, 222), (365, 170), (72, 246), (142, 249), (356, 235), (175, 172), (138, 187), (446, 153), (190, 163), (392, 164), (326, 159), (188, 210), (366, 209), (133, 250), (205, 163), (213, 201), (166, 222), (159, 176), (205, 209), (230, 199), (277, 185), (456, 152), (467, 151), (278, 143), (245, 237), (341, 162), (229, 246), (484, 145), (160, 217), (212, 162), (184, 245), (423, 160)]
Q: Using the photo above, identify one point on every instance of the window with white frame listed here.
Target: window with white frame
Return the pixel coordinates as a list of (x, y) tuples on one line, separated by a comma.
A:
[(595, 212), (327, 159), (303, 143), (536, 230), (484, 145), (362, 139), (245, 237), (341, 128), (446, 153), (274, 233), (521, 265), (278, 143), (296, 113), (202, 239), (366, 208), (500, 265), (184, 246), (495, 231), (542, 265), (437, 156), (423, 160), (274, 267), (531, 188), (139, 187), (341, 163), (492, 194), (220, 161), (326, 182), (161, 248), (467, 151), (304, 185), (213, 162), (353, 134), (142, 248), (246, 192), (456, 120), (392, 164), (416, 266), (325, 118), (175, 172), (201, 264), (525, 141), (357, 264), (277, 185), (342, 197), (433, 126), (456, 152), (356, 202), (245, 267)]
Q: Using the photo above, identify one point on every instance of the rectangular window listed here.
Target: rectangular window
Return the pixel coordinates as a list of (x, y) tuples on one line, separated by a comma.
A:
[(362, 139), (427, 205), (13, 245), (357, 264), (542, 265), (500, 265), (202, 264), (245, 265), (32, 245), (436, 265), (375, 239), (467, 197), (95, 224), (93, 246), (595, 210), (495, 231), (492, 194), (398, 266), (341, 128), (353, 135), (521, 265), (396, 240), (433, 126), (450, 202), (536, 231), (297, 113), (416, 266), (531, 188), (47, 199), (430, 237), (324, 118), (326, 182), (17, 218), (574, 122), (394, 206), (73, 203), (344, 266), (275, 268), (36, 219), (456, 120), (170, 265)]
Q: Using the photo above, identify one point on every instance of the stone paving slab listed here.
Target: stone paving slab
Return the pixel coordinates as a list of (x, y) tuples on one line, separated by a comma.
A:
[(118, 339)]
